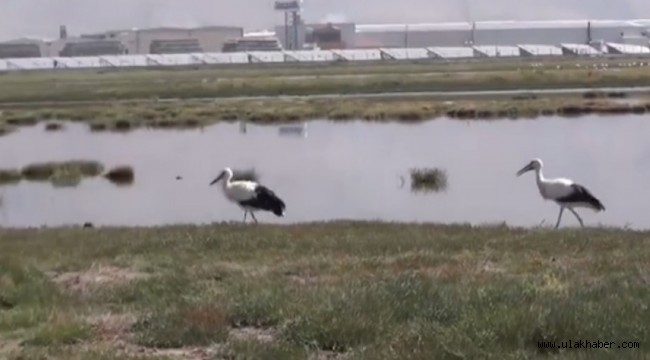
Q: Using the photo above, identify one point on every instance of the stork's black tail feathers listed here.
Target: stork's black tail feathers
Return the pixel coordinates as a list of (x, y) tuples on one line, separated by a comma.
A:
[(581, 194), (598, 204), (591, 199), (266, 200)]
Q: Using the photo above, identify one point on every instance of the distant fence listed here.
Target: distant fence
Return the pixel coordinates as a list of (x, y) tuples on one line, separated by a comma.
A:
[(322, 56)]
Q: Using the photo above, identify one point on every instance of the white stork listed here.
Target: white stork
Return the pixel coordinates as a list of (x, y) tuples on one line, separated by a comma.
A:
[(249, 195), (564, 192)]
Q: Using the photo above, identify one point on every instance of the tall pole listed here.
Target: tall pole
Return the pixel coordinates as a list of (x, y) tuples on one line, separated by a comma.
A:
[(287, 41)]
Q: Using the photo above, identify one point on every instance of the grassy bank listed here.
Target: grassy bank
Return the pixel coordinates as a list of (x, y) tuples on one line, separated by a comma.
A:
[(146, 84), (125, 116), (66, 173), (343, 290)]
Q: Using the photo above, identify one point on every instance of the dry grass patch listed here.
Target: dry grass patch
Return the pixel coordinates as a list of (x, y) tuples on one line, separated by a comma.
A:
[(259, 335), (98, 275), (182, 325), (112, 327), (60, 329)]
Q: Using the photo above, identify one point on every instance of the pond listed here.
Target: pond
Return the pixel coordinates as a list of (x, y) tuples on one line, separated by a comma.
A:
[(353, 170)]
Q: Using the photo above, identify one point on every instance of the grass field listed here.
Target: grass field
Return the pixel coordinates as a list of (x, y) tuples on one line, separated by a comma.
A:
[(91, 96), (348, 79), (343, 290)]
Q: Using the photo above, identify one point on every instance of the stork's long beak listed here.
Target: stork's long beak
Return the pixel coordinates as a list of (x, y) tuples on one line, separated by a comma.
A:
[(525, 169), (217, 179)]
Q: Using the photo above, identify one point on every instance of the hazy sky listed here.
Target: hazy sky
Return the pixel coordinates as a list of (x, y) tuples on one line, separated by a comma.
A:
[(43, 17)]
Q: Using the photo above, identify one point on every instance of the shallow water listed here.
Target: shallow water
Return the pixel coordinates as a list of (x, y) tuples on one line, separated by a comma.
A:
[(340, 171)]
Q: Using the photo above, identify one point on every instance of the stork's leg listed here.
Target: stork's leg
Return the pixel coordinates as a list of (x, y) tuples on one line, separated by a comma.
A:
[(559, 217), (245, 213), (577, 216), (253, 215)]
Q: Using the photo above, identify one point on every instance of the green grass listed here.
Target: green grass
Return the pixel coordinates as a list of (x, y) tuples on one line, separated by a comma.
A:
[(59, 332), (90, 96), (361, 290), (187, 83), (182, 325)]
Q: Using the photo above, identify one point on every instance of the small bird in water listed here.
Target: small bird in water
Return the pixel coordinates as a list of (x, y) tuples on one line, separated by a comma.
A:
[(566, 193), (250, 195)]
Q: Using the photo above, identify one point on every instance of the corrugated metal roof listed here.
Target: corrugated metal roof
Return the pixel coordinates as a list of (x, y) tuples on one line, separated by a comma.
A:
[(300, 56)]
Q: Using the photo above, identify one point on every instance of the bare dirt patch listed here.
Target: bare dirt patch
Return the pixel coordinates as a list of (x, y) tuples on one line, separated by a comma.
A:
[(84, 281), (254, 334), (194, 353), (328, 355), (9, 347), (456, 269), (127, 349)]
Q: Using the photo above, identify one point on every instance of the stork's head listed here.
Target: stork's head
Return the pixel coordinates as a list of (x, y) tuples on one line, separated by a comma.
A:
[(535, 164), (225, 173)]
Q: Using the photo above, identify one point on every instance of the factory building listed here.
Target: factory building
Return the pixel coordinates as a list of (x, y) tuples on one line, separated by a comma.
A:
[(413, 35), (168, 40), (506, 33), (135, 41), (320, 36), (23, 48), (93, 48), (255, 41), (297, 35), (175, 46)]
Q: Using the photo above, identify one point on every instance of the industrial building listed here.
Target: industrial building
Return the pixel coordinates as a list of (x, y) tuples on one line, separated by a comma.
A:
[(482, 37), (506, 33), (164, 40), (93, 48), (318, 36), (169, 40), (22, 48)]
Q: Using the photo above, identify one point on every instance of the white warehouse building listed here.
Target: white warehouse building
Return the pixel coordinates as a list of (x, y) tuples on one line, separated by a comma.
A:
[(509, 33)]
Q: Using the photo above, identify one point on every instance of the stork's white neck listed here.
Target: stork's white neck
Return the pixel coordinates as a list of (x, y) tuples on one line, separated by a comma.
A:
[(541, 183), (226, 180), (539, 175)]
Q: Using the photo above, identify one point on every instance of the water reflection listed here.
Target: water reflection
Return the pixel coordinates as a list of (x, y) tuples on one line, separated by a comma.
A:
[(349, 170)]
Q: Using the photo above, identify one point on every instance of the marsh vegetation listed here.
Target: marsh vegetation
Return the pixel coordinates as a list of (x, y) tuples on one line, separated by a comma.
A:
[(121, 175), (428, 179), (66, 173), (124, 117)]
